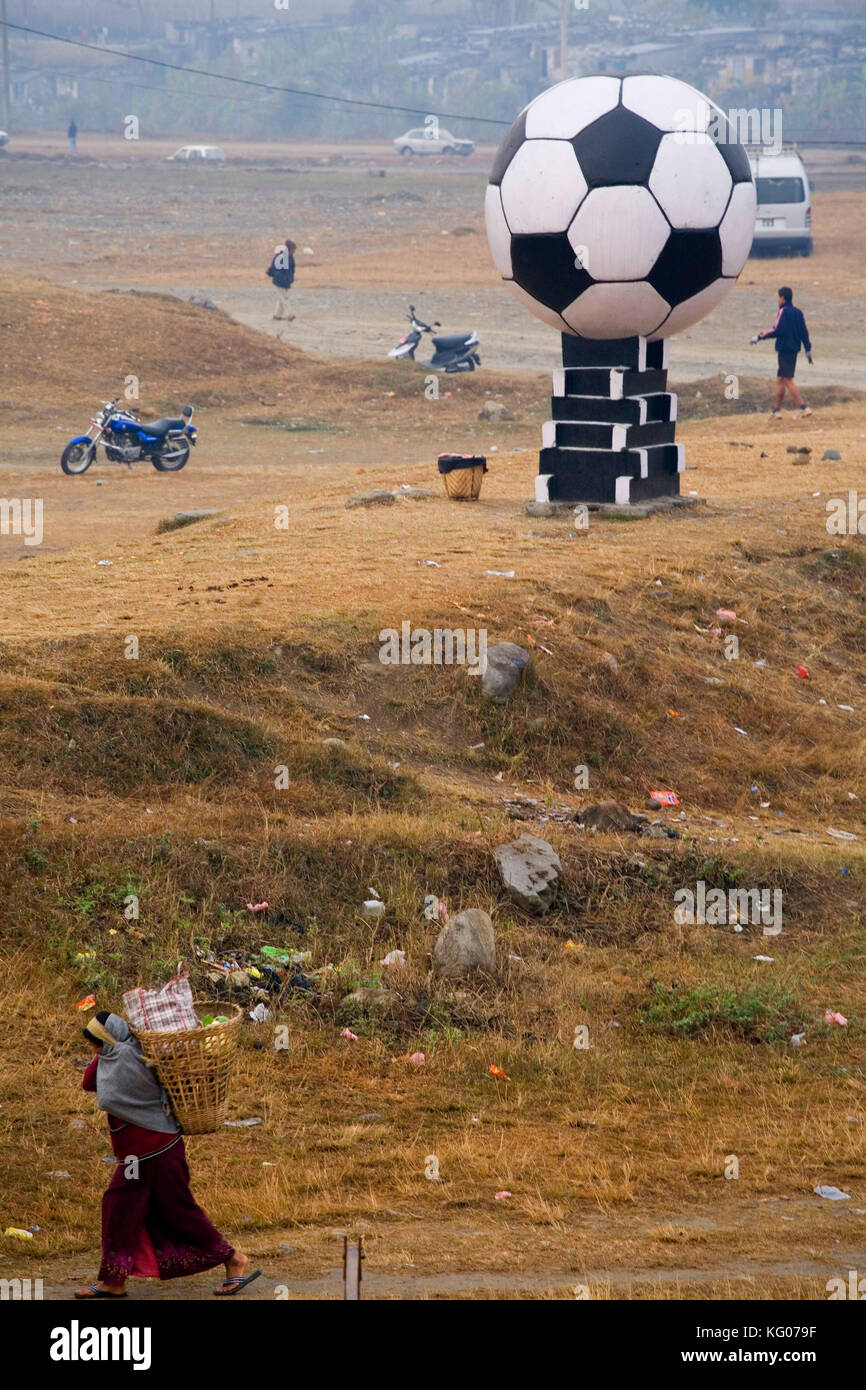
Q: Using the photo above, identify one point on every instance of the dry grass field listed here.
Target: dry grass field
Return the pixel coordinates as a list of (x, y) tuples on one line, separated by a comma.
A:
[(154, 776)]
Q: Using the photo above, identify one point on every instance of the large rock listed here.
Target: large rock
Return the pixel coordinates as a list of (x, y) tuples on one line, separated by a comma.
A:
[(506, 663), (530, 870), (465, 943)]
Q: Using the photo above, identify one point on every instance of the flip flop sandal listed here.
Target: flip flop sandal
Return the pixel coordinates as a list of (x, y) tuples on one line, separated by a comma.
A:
[(238, 1283), (94, 1291)]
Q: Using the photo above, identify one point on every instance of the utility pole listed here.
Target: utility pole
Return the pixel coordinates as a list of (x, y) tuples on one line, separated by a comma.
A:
[(6, 118), (565, 6)]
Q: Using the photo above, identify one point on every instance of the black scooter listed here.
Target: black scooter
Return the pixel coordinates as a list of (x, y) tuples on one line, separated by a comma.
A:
[(455, 353)]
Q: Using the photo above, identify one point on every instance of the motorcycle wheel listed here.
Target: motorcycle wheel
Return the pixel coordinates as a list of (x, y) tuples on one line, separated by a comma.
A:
[(172, 456), (77, 458)]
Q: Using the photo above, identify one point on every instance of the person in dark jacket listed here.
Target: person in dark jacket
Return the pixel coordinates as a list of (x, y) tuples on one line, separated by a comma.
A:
[(790, 333), (72, 136), (282, 272)]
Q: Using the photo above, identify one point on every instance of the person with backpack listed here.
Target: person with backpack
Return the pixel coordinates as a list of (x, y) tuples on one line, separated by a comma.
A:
[(790, 333), (282, 272)]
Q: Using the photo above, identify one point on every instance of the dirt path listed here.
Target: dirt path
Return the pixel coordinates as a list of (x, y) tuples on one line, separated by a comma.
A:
[(279, 1284)]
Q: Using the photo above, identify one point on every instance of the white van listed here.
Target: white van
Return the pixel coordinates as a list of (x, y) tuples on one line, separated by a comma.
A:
[(783, 219)]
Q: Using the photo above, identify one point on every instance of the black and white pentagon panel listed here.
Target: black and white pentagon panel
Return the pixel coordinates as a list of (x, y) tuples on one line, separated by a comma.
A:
[(620, 206)]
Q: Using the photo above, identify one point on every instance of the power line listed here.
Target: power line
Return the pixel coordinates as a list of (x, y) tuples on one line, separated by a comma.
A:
[(145, 87), (249, 81), (817, 141)]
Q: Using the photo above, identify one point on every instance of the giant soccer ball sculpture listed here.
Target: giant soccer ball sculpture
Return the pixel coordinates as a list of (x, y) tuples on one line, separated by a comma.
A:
[(619, 211)]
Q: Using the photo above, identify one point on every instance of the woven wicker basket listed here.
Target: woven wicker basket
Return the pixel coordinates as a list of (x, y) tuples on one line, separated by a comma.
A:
[(464, 484), (194, 1065)]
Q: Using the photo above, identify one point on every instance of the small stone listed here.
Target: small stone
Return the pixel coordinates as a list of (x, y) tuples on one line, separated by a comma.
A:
[(652, 804), (657, 830), (365, 997), (798, 449), (611, 663), (202, 301), (415, 494), (375, 497), (495, 411), (610, 815), (370, 1117), (199, 514), (831, 454), (334, 743)]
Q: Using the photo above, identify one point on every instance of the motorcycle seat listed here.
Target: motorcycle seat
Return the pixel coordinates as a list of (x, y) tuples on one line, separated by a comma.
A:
[(161, 427), (453, 340)]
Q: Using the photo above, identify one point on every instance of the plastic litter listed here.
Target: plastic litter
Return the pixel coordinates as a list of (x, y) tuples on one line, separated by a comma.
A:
[(501, 1196), (831, 1194), (394, 958), (501, 574), (802, 672), (282, 955), (260, 1014), (665, 798), (499, 1072), (347, 1033), (797, 1039), (841, 834), (417, 1059), (373, 908), (244, 1124), (831, 1017), (258, 907), (87, 1003), (18, 1233), (769, 959)]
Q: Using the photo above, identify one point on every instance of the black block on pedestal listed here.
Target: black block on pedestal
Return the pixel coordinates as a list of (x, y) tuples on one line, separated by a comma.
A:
[(659, 406), (636, 353), (611, 436)]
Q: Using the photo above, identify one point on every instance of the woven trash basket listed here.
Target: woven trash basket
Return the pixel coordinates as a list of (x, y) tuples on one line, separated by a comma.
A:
[(194, 1065), (462, 475)]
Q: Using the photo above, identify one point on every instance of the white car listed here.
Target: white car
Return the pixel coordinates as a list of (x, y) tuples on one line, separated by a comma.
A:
[(783, 218), (4, 139), (432, 140), (190, 152)]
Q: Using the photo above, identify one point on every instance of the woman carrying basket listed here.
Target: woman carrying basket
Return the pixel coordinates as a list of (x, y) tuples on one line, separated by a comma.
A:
[(151, 1224)]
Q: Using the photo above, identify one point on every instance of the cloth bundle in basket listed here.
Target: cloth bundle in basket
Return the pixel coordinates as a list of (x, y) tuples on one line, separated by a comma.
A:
[(163, 1010), (462, 475), (195, 1065)]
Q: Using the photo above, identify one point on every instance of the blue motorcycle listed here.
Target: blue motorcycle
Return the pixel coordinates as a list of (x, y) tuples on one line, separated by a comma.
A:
[(123, 436)]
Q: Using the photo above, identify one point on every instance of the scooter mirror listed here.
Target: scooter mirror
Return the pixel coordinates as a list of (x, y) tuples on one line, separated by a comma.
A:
[(186, 412)]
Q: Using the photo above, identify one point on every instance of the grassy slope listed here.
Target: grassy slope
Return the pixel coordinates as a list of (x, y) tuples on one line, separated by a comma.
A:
[(155, 776)]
